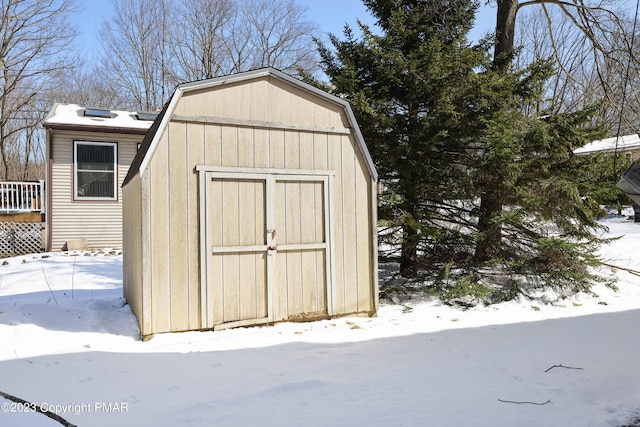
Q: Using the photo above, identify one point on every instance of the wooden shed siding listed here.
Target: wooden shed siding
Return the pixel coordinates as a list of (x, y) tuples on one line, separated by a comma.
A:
[(100, 222), (364, 236), (341, 253), (132, 240), (280, 104), (172, 232), (179, 227), (159, 231), (195, 146), (218, 146)]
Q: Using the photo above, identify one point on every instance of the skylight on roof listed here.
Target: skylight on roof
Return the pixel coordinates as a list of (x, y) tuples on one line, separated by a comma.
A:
[(97, 112), (140, 115)]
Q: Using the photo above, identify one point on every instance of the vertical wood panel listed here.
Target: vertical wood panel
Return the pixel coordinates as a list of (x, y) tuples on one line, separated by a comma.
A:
[(279, 297), (246, 150), (231, 285), (310, 287), (306, 150), (309, 218), (230, 237), (291, 150), (293, 278), (364, 238), (214, 269), (276, 149), (132, 246), (248, 213), (159, 247), (195, 156), (230, 212), (321, 162), (261, 147), (247, 297), (293, 212), (349, 225), (320, 147), (213, 145), (146, 244), (335, 163), (313, 217), (179, 227), (229, 146), (293, 226)]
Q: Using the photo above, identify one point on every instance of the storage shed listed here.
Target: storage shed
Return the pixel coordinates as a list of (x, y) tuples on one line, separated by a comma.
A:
[(251, 200)]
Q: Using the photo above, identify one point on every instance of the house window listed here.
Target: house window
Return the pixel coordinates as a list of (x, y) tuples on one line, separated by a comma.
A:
[(95, 170)]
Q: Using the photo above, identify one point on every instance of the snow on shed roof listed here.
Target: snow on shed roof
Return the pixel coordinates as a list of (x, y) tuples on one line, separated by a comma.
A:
[(625, 142), (74, 116)]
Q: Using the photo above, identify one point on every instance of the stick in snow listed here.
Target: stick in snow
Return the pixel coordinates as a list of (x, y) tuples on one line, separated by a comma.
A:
[(630, 270), (525, 403), (37, 408), (49, 286), (565, 367)]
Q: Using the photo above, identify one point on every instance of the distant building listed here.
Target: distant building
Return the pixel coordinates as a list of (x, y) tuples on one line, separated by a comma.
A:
[(627, 144), (89, 151)]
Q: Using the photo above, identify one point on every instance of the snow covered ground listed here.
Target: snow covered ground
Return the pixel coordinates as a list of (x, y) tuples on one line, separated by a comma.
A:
[(69, 344)]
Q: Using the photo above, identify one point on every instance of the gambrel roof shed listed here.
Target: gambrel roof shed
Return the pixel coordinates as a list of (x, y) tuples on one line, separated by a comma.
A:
[(252, 200)]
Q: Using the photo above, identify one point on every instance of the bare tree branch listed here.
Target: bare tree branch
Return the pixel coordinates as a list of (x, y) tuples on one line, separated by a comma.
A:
[(525, 402), (35, 36)]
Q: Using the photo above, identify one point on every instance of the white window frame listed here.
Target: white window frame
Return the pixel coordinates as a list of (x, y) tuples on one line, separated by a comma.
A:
[(114, 145)]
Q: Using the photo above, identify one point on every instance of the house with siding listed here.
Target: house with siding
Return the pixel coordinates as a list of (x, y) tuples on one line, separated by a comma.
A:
[(627, 145), (89, 151)]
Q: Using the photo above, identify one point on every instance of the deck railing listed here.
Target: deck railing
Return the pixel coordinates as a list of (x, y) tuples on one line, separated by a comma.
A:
[(22, 196)]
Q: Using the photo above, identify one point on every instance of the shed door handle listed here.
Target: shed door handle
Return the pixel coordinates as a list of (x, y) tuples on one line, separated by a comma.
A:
[(274, 243)]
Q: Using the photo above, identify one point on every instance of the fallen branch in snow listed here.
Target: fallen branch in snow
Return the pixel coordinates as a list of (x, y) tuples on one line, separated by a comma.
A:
[(24, 360), (525, 403), (565, 367), (629, 270), (49, 286), (37, 408)]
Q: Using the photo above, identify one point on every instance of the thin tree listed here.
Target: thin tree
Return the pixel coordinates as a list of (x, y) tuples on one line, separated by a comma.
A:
[(85, 85), (280, 35), (35, 36), (198, 43), (135, 44)]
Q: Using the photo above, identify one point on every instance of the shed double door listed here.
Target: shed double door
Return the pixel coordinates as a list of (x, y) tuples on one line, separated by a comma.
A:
[(267, 237)]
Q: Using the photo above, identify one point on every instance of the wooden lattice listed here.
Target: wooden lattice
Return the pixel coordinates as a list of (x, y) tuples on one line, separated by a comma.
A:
[(20, 238)]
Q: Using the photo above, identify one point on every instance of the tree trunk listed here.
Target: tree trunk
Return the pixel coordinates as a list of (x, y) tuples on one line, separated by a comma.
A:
[(410, 231), (505, 29), (409, 251), (489, 228)]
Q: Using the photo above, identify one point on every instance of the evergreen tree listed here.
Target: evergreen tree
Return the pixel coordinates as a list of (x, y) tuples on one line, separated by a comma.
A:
[(403, 86), (525, 162), (449, 131)]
